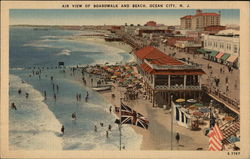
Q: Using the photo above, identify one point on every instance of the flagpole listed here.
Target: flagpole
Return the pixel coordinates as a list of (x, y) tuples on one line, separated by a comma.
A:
[(171, 122), (120, 125)]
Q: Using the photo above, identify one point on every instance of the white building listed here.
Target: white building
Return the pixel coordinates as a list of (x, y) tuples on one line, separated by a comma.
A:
[(225, 47)]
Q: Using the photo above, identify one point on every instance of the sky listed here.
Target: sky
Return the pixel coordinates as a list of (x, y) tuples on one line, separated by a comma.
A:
[(111, 16)]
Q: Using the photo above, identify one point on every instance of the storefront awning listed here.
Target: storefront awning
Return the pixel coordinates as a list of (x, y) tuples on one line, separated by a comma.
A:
[(232, 58), (225, 56), (213, 53), (219, 55), (202, 50)]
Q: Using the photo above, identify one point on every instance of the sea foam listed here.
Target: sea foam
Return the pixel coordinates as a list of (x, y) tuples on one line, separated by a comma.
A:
[(32, 126)]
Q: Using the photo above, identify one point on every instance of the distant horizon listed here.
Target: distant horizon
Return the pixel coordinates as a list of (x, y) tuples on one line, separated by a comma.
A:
[(112, 17)]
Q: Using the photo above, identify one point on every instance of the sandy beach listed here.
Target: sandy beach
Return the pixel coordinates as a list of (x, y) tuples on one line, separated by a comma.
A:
[(158, 136), (100, 40)]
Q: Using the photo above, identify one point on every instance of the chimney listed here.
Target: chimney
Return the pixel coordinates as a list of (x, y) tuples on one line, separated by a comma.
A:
[(198, 11)]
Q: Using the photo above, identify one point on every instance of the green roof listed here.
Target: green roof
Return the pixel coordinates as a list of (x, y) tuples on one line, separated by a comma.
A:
[(225, 56), (213, 53)]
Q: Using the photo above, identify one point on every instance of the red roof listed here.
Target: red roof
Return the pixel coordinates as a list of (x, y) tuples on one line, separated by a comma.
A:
[(155, 56), (207, 14), (187, 17), (149, 70)]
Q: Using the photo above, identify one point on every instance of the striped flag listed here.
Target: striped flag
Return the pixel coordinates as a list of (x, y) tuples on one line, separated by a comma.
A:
[(215, 138), (130, 116)]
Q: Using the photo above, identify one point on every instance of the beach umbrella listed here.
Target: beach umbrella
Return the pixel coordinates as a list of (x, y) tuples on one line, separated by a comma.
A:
[(198, 105), (228, 118), (117, 73), (191, 100), (113, 77), (204, 110), (180, 100), (233, 139), (192, 107), (198, 114)]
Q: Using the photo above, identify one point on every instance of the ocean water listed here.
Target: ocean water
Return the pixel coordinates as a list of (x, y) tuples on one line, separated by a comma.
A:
[(36, 123)]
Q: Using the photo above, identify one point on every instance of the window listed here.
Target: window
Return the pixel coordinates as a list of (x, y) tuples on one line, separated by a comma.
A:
[(235, 49), (222, 46)]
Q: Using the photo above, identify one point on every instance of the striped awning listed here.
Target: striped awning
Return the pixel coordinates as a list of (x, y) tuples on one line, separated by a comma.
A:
[(219, 55), (213, 53), (225, 56), (227, 132), (232, 58)]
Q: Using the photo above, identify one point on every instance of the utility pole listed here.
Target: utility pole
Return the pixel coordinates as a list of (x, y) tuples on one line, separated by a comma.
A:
[(171, 121), (120, 125)]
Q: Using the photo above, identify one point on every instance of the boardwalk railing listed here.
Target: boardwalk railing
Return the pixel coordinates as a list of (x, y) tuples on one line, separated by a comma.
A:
[(227, 100)]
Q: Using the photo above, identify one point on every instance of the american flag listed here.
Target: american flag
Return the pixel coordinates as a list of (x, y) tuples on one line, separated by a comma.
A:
[(215, 138), (130, 116)]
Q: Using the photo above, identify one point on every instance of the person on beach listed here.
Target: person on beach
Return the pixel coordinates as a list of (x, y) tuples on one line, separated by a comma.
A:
[(177, 137), (62, 129), (27, 95), (74, 116), (107, 134), (45, 95), (57, 88), (51, 78), (95, 128), (109, 128), (53, 87), (101, 124), (13, 106), (19, 91), (76, 96), (110, 109), (86, 99), (55, 96)]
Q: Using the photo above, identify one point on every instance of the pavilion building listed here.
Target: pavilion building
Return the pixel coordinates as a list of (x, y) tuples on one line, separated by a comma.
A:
[(165, 76)]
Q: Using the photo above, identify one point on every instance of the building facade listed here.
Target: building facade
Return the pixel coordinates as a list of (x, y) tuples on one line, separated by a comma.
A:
[(165, 76), (200, 20), (224, 43)]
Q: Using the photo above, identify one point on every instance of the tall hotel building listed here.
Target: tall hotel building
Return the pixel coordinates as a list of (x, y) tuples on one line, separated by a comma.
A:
[(200, 20)]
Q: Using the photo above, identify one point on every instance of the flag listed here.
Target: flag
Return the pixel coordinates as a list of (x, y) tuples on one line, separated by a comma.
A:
[(215, 138), (130, 116)]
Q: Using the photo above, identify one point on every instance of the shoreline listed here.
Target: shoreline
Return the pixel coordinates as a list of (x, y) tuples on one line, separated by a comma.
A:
[(99, 40)]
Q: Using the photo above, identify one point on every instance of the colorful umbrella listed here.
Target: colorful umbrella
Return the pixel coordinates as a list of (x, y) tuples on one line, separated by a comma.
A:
[(192, 107), (204, 110), (180, 100), (233, 139), (191, 100), (198, 114), (198, 104), (228, 118)]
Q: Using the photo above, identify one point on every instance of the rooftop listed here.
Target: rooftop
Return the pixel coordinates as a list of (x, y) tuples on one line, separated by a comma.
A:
[(155, 56)]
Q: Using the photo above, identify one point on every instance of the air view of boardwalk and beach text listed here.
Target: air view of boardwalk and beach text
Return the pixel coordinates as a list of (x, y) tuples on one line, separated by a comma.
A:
[(124, 79)]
